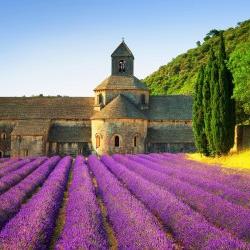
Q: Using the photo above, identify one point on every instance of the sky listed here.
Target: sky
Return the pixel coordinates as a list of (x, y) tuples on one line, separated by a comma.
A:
[(63, 47)]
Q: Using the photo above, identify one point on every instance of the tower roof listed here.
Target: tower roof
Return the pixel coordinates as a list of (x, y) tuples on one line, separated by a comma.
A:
[(122, 50), (121, 82), (118, 108)]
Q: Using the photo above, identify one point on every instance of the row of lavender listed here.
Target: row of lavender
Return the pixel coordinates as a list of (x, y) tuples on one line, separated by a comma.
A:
[(189, 227), (218, 211), (158, 192), (227, 177), (33, 223), (183, 170), (128, 216), (83, 227)]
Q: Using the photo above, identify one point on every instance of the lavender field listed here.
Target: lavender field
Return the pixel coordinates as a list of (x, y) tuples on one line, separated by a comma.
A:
[(154, 201)]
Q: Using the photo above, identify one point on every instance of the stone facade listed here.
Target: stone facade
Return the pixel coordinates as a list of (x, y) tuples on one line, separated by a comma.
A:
[(131, 133), (122, 117), (242, 137)]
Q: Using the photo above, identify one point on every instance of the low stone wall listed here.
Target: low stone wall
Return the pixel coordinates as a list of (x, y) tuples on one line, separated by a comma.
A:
[(27, 146), (242, 137), (6, 128)]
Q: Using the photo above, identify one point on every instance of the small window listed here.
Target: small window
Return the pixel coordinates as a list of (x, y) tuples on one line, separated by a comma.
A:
[(143, 99), (1, 154), (97, 141), (117, 141), (26, 152), (135, 141), (4, 136), (122, 66), (100, 99)]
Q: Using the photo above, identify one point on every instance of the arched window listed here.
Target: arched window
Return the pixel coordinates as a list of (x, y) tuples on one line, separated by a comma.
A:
[(117, 141), (143, 99), (26, 152), (135, 141), (122, 65), (1, 154), (3, 136), (97, 141)]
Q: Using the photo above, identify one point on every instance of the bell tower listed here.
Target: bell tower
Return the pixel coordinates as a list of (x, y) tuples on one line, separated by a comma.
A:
[(122, 61)]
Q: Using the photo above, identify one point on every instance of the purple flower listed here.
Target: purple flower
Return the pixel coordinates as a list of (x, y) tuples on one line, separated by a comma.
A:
[(12, 166), (11, 200), (83, 226), (33, 225), (188, 227), (14, 177), (134, 226)]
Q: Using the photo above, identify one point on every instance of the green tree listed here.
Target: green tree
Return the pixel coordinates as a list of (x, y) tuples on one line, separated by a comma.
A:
[(198, 115), (223, 106), (239, 64), (207, 99), (213, 32)]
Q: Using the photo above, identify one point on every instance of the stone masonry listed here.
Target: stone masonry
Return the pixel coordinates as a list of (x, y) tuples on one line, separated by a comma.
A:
[(122, 117)]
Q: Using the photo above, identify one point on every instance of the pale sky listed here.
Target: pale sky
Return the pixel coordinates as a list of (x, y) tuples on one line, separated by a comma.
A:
[(64, 46)]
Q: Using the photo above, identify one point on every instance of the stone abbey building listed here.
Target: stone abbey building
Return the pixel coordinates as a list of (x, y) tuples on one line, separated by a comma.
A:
[(121, 118)]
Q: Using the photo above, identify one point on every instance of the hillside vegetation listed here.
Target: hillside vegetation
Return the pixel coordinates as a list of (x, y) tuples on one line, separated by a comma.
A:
[(179, 75)]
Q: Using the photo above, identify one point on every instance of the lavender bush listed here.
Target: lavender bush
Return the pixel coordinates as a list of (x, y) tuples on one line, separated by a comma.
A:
[(14, 177), (229, 177), (2, 160), (14, 166), (229, 193), (83, 225), (218, 211), (188, 227), (32, 227), (134, 226), (11, 201), (8, 162)]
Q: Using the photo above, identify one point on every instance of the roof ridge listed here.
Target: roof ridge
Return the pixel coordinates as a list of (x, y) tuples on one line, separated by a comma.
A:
[(121, 82), (119, 107), (122, 47)]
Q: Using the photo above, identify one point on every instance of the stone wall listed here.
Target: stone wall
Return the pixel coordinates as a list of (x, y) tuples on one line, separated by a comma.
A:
[(67, 148), (129, 65), (28, 146), (69, 138), (6, 128), (125, 129), (170, 147), (133, 95), (242, 137), (170, 136)]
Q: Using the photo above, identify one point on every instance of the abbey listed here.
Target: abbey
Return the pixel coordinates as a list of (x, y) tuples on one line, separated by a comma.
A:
[(122, 117)]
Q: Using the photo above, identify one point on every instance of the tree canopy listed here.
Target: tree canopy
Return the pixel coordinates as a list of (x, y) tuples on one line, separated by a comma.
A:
[(239, 65)]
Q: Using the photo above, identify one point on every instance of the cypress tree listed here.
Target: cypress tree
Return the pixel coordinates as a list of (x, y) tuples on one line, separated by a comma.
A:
[(223, 106), (207, 92), (198, 115)]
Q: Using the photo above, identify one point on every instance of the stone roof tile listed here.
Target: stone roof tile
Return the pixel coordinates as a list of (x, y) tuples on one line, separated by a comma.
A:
[(120, 107), (172, 107), (122, 50), (18, 108), (76, 133), (171, 134), (31, 128), (121, 82)]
